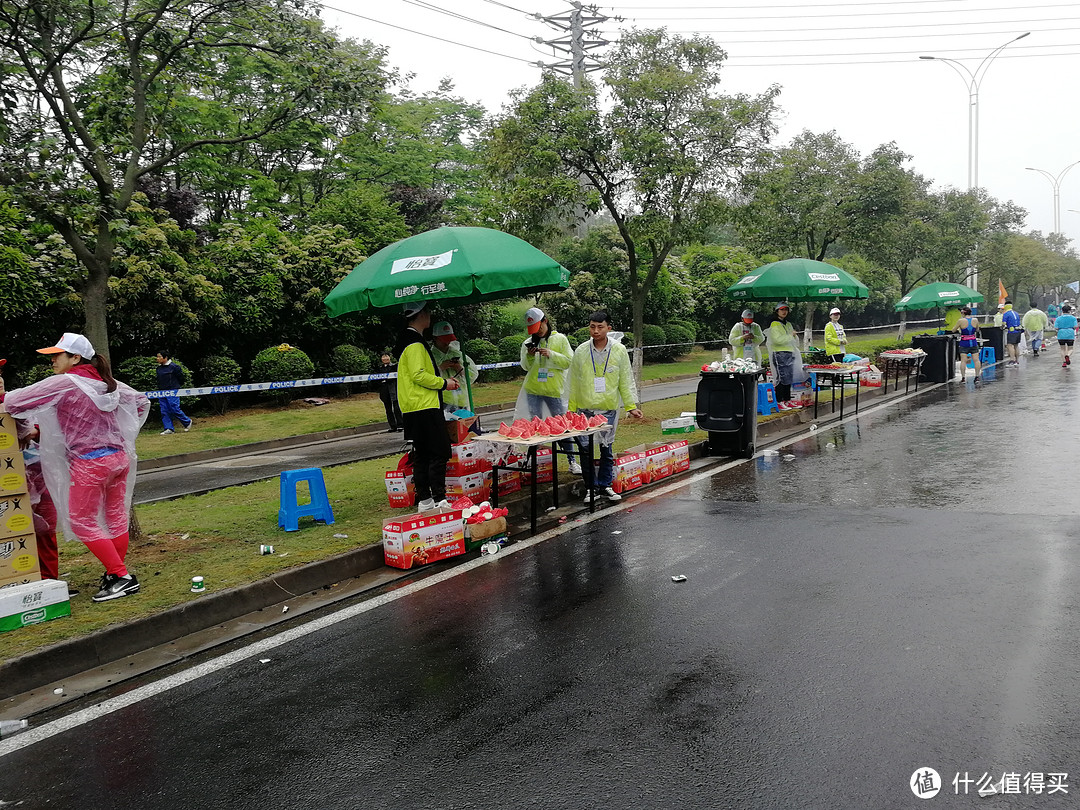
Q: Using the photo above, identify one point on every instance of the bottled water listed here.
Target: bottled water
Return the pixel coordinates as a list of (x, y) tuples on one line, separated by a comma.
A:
[(9, 727)]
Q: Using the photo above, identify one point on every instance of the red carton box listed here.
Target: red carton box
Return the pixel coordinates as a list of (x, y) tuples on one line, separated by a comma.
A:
[(475, 486), (680, 456), (629, 471), (544, 468), (659, 461), (409, 542), (467, 458), (400, 489)]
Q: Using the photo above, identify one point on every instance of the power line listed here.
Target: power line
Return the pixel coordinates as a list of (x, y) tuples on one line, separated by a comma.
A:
[(730, 63), (1021, 24), (804, 6), (953, 34), (864, 13), (518, 10), (900, 53), (429, 36), (432, 7)]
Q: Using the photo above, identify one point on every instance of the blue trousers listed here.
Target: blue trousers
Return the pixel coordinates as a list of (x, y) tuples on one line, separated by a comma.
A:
[(605, 476), (170, 408)]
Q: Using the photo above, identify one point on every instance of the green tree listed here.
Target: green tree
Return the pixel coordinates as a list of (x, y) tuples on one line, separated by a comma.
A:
[(655, 145), (109, 93)]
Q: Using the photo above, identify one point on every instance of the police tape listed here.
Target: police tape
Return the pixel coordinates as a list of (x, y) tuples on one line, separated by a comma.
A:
[(286, 384)]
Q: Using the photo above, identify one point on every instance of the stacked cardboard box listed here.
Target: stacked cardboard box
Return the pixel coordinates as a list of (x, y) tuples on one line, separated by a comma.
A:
[(424, 538), (18, 545)]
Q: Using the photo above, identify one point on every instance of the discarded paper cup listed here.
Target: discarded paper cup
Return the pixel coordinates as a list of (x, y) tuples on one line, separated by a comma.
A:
[(264, 550), (197, 585), (490, 548)]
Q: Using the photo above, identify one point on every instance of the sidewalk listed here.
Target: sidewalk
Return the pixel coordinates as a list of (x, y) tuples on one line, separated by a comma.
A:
[(102, 659)]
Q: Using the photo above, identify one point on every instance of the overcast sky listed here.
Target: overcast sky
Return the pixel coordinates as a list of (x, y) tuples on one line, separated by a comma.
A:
[(848, 66)]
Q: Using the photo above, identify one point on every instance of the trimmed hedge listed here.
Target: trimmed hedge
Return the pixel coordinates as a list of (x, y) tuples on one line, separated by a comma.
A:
[(280, 363)]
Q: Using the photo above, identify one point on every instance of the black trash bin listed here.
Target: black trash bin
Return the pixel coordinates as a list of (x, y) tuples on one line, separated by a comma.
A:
[(995, 339), (727, 409), (940, 362)]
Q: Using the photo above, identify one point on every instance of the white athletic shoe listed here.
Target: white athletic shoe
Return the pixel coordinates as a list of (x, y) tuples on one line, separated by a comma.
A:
[(426, 505), (575, 468), (610, 494)]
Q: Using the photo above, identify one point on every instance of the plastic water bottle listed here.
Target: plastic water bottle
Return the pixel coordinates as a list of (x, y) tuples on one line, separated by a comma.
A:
[(726, 355), (9, 727)]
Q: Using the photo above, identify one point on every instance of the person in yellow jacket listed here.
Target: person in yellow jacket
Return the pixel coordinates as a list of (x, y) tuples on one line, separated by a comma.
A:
[(545, 356), (785, 359), (601, 377), (746, 338), (835, 339), (451, 363), (420, 388)]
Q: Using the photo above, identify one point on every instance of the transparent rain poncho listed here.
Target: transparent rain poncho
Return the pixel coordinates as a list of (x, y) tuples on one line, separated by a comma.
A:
[(77, 419)]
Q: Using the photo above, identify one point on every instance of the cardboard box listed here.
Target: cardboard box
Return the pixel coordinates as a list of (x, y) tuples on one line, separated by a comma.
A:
[(415, 540), (544, 467), (509, 483), (475, 486), (489, 528), (33, 603), (659, 461), (15, 516), (680, 424), (459, 428), (400, 489), (467, 458), (11, 582), (9, 436), (680, 456), (18, 557), (871, 379), (629, 471)]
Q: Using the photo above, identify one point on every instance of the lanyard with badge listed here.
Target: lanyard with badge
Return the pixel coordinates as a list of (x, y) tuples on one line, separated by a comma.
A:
[(600, 383), (542, 373)]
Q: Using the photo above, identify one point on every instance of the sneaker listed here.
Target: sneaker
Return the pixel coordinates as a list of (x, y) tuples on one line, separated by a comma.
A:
[(443, 504), (113, 587), (391, 430), (187, 427), (783, 406), (589, 499), (610, 494), (426, 505), (1068, 359), (575, 468), (167, 432)]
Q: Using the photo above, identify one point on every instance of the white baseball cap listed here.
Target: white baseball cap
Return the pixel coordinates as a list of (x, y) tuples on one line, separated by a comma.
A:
[(413, 307), (443, 329), (532, 320), (834, 311), (72, 344)]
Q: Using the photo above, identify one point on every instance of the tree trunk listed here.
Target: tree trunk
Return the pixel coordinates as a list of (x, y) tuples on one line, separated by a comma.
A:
[(135, 534), (96, 291), (639, 336), (808, 325), (903, 325)]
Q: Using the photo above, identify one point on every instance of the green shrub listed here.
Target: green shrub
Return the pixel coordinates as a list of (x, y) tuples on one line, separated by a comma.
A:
[(509, 349), (279, 364), (677, 333), (578, 336), (483, 351), (220, 370), (688, 326), (346, 360), (653, 335), (36, 373)]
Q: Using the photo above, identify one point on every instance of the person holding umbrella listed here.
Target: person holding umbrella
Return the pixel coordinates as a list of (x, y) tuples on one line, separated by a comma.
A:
[(835, 339), (451, 363), (783, 354), (419, 389), (746, 337)]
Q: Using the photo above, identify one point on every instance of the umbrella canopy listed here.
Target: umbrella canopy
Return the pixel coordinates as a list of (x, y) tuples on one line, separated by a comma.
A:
[(938, 294), (798, 280), (462, 265)]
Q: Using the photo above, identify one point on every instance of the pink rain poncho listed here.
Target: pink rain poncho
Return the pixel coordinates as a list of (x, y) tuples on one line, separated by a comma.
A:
[(87, 448)]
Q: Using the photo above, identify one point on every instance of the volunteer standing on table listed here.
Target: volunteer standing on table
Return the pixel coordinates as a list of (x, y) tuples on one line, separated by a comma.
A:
[(835, 339), (420, 388), (88, 423), (545, 356), (746, 338), (783, 355), (601, 376), (451, 363)]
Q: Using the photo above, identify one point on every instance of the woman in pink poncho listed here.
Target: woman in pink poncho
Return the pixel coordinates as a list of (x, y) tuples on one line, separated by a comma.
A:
[(88, 424)]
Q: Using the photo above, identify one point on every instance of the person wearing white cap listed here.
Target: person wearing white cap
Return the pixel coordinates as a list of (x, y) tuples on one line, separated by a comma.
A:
[(835, 339), (746, 338), (545, 356), (452, 362), (420, 388), (88, 424)]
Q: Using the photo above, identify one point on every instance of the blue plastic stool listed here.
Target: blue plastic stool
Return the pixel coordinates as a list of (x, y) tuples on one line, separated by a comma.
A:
[(813, 381), (766, 399), (319, 507), (986, 355)]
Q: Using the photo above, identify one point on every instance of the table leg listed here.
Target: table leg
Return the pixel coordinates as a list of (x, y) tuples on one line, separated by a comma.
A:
[(495, 485), (591, 490), (817, 392), (532, 489), (858, 387), (555, 474), (843, 387)]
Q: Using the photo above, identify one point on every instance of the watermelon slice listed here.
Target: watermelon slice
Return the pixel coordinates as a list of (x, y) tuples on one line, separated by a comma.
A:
[(515, 433), (504, 429), (597, 421)]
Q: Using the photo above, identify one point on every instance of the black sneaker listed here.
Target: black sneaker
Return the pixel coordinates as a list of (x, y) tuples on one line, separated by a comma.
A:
[(114, 587)]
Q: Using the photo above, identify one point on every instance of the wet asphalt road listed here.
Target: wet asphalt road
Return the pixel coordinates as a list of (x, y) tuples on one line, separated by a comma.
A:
[(905, 599), (188, 479)]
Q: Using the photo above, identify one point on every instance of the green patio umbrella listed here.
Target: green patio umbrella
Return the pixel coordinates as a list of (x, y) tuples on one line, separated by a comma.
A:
[(459, 265), (797, 280), (938, 294), (452, 265)]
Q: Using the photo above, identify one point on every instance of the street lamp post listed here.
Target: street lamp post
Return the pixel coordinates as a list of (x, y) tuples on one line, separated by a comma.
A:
[(1055, 181), (973, 80)]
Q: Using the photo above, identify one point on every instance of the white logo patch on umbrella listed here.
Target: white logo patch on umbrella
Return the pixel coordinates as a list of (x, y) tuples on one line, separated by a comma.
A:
[(747, 280), (422, 262), (824, 277), (953, 294)]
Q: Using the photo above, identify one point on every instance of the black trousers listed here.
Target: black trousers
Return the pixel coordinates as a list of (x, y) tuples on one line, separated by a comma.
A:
[(393, 410), (431, 450)]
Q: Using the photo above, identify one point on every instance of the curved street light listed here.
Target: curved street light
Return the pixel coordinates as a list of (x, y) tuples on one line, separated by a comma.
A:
[(973, 80), (1055, 181)]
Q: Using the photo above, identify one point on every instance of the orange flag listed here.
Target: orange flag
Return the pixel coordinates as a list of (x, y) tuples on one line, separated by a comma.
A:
[(1002, 294)]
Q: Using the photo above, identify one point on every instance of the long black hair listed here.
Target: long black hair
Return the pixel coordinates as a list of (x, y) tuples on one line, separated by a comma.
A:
[(103, 368)]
